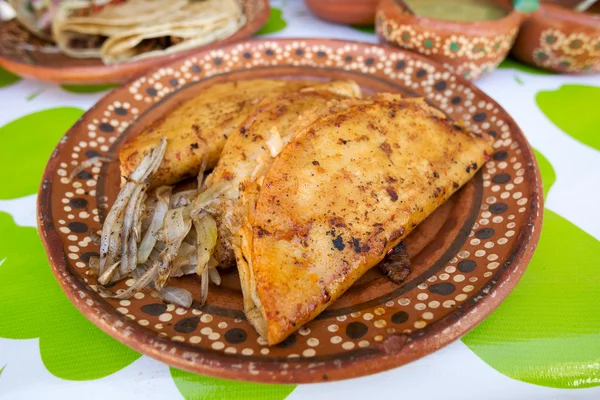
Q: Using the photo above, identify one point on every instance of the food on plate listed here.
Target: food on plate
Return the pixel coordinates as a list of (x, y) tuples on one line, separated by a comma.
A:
[(176, 242), (312, 186), (81, 32), (338, 197), (128, 30), (195, 24), (198, 128), (250, 150)]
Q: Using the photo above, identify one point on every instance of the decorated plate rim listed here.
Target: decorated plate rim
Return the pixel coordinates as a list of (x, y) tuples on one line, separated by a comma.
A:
[(215, 363)]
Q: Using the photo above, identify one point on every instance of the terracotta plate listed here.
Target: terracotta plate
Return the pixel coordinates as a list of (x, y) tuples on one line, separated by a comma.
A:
[(31, 57), (466, 257)]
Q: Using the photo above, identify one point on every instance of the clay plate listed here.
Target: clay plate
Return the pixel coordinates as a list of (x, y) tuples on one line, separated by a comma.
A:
[(466, 257), (26, 55)]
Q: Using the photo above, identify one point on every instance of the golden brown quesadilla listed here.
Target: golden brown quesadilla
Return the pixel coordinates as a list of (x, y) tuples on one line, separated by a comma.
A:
[(198, 128), (250, 149), (338, 197), (312, 186)]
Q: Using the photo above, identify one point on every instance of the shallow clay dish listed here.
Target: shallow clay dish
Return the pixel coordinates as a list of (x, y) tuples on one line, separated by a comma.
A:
[(470, 49), (26, 55), (561, 40), (466, 257)]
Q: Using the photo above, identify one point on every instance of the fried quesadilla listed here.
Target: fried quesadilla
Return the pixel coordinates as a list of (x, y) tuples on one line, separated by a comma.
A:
[(250, 150), (338, 197), (311, 187), (197, 129)]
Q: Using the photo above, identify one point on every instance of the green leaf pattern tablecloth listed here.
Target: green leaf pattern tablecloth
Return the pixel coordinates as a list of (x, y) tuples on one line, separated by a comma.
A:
[(543, 342)]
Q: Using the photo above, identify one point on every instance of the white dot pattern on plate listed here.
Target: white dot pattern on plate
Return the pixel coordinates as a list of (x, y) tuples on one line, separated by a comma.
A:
[(496, 226)]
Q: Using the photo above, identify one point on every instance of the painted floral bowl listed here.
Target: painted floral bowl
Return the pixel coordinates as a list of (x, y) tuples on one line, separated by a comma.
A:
[(560, 40), (470, 49)]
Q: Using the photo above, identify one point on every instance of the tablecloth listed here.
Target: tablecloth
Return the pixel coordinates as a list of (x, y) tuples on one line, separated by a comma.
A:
[(543, 342)]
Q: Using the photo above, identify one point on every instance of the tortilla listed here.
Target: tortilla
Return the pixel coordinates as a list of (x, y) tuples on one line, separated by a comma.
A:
[(194, 25), (339, 196), (250, 149), (198, 128), (82, 36)]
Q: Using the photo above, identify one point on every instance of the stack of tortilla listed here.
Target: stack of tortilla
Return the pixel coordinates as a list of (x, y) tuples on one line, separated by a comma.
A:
[(129, 30)]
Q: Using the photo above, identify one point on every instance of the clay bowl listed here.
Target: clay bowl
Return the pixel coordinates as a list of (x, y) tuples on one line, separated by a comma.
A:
[(470, 49), (561, 40), (351, 12)]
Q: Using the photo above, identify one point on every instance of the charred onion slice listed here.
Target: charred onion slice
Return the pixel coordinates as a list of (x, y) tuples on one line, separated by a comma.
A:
[(93, 264), (169, 246), (177, 225), (111, 238), (163, 195), (214, 276), (105, 277), (175, 295), (209, 196), (206, 236), (95, 238), (129, 241), (204, 287), (144, 280)]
